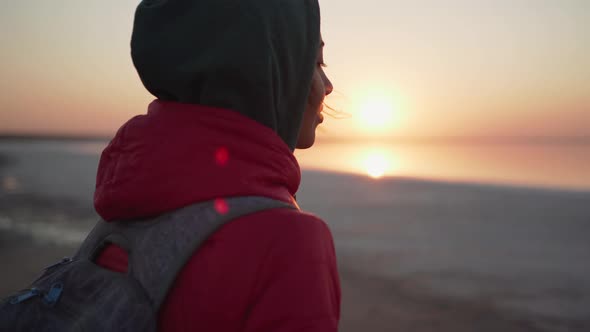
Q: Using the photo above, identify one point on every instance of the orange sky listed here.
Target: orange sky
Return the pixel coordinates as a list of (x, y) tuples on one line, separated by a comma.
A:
[(459, 68)]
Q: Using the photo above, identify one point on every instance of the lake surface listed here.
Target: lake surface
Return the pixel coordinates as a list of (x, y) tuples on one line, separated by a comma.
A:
[(541, 165)]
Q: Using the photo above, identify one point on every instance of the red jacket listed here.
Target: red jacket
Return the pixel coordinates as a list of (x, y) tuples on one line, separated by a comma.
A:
[(269, 271)]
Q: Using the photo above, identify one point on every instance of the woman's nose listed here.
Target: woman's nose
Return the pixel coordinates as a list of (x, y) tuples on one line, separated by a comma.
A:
[(328, 85)]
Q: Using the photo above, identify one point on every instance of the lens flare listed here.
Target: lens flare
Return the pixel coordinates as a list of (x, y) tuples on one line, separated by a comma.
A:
[(221, 206), (221, 156)]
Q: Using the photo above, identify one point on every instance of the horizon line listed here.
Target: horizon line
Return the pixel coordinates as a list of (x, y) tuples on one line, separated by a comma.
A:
[(409, 139)]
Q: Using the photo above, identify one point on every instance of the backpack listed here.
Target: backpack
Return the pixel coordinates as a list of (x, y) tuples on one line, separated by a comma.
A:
[(77, 295)]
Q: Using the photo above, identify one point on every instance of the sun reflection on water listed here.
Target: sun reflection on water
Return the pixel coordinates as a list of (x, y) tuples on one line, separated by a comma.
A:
[(376, 163)]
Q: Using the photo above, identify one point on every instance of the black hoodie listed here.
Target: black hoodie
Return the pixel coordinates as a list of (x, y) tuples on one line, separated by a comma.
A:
[(255, 57)]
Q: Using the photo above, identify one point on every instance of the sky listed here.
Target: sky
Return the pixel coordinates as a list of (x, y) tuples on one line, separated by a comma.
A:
[(400, 68)]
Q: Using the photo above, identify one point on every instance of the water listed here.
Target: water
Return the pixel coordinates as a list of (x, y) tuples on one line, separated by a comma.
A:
[(50, 168), (548, 165), (47, 188), (524, 249), (537, 165)]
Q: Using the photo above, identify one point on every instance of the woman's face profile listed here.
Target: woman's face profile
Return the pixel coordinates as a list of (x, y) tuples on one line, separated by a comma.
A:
[(320, 88)]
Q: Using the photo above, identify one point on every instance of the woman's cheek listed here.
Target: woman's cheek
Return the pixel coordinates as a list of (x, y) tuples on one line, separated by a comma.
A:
[(315, 94)]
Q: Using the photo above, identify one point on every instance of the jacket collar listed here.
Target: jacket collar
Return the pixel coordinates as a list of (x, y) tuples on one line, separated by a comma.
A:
[(180, 154)]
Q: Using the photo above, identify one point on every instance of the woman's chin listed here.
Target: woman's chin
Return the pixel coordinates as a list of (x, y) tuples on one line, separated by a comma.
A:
[(306, 141)]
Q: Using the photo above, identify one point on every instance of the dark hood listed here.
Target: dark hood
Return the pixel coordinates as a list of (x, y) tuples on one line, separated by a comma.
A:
[(255, 57)]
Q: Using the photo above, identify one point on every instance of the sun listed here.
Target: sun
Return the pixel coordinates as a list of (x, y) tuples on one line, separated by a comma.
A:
[(376, 114), (376, 164)]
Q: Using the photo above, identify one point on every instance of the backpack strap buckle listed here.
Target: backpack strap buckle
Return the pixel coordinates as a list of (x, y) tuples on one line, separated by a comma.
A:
[(25, 296)]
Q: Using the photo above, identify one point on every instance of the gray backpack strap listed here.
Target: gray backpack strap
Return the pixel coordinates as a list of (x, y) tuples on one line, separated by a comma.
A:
[(159, 248)]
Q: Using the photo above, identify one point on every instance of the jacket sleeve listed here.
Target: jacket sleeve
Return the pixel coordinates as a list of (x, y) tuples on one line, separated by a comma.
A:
[(298, 287)]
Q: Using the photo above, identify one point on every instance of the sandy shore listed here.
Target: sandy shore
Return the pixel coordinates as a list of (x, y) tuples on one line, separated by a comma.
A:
[(369, 303)]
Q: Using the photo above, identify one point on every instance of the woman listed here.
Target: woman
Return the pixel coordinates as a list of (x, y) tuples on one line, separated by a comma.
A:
[(239, 86)]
